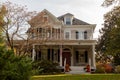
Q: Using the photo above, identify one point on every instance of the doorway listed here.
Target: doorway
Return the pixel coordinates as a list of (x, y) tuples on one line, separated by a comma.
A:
[(66, 55)]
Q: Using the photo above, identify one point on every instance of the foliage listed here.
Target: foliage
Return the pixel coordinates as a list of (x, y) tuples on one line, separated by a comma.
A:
[(46, 67), (116, 59), (78, 77), (14, 67), (117, 69), (2, 14), (108, 3), (100, 68), (16, 23), (108, 43), (104, 68)]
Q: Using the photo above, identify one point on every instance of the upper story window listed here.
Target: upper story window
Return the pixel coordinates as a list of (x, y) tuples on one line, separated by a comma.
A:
[(67, 35), (39, 30), (85, 35), (68, 21), (81, 35), (77, 35)]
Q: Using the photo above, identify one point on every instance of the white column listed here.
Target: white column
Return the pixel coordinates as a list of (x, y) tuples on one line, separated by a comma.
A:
[(33, 53), (90, 63), (57, 33), (51, 33), (60, 34), (61, 55), (72, 57), (93, 51)]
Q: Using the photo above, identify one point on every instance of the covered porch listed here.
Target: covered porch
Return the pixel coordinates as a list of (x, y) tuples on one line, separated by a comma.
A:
[(73, 55)]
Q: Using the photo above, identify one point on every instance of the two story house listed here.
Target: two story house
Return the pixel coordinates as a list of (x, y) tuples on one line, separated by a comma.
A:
[(64, 39)]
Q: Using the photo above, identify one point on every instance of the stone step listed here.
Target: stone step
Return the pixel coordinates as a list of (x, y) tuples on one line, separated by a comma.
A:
[(76, 70)]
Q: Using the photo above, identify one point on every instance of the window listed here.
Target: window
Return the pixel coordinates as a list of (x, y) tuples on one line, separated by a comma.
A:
[(67, 35), (81, 35), (85, 35), (77, 35), (80, 57), (39, 30), (45, 18), (68, 21)]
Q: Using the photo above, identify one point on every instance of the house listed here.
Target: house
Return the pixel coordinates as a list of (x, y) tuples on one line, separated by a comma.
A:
[(64, 39)]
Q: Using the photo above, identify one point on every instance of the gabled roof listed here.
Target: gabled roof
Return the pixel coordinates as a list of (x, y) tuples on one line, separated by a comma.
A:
[(35, 21), (75, 20), (68, 14)]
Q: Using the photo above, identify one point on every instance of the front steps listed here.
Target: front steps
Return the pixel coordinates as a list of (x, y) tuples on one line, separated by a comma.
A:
[(77, 70)]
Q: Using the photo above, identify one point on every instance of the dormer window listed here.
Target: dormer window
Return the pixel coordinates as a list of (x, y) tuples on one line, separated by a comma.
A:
[(68, 21)]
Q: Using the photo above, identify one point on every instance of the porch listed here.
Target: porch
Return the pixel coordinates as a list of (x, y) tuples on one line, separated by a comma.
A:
[(76, 56)]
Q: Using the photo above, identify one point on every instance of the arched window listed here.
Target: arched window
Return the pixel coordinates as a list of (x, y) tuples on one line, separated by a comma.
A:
[(77, 35), (85, 35)]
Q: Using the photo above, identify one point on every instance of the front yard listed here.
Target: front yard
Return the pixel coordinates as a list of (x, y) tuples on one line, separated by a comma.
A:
[(78, 77)]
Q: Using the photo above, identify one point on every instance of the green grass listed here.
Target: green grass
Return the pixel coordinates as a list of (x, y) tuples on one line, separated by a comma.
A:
[(78, 77)]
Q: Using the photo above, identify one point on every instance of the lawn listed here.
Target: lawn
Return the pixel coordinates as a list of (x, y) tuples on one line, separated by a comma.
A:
[(78, 77)]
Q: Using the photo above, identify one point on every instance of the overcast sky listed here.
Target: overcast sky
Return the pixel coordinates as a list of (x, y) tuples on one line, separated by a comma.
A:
[(87, 10)]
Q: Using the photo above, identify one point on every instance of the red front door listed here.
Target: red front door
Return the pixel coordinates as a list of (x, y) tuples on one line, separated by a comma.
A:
[(67, 56)]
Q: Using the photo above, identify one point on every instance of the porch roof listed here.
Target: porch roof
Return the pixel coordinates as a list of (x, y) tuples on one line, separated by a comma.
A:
[(57, 42)]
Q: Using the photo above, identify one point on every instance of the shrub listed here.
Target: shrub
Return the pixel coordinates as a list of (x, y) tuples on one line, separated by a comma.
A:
[(117, 69), (45, 67), (100, 68), (108, 68), (14, 67), (104, 68)]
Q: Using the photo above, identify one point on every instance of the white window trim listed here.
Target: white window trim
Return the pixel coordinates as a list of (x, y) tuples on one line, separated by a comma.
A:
[(69, 35), (65, 20), (81, 35)]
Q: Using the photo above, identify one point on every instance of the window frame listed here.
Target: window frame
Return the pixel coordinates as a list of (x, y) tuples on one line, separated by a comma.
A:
[(68, 21)]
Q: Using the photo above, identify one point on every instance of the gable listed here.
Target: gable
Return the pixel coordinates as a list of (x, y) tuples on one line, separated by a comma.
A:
[(44, 18)]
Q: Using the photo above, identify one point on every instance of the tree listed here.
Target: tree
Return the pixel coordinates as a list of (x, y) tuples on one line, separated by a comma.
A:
[(108, 3), (16, 19), (110, 34), (12, 67)]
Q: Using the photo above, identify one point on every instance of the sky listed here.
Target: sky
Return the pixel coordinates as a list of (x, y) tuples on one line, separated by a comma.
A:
[(89, 11)]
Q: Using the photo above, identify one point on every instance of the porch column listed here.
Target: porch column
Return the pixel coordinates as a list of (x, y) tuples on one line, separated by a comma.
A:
[(93, 57), (33, 53), (72, 58), (61, 55)]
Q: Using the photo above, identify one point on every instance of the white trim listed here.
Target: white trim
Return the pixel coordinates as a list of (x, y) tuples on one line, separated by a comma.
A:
[(69, 35), (33, 53)]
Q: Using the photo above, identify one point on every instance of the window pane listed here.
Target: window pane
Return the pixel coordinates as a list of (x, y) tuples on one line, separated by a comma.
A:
[(77, 35), (67, 35), (85, 35), (68, 20)]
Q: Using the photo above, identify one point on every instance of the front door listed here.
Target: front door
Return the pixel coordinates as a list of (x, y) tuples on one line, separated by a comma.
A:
[(66, 56)]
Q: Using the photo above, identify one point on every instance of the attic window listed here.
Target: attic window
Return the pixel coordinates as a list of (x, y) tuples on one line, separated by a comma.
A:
[(45, 18), (68, 20)]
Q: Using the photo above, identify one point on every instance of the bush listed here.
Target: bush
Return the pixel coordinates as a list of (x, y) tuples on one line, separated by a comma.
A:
[(45, 67), (100, 68), (117, 69), (108, 68), (104, 68), (14, 67)]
